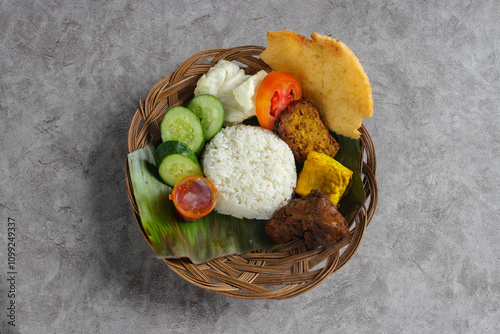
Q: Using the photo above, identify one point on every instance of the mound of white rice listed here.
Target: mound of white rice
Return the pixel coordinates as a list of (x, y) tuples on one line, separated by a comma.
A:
[(252, 169)]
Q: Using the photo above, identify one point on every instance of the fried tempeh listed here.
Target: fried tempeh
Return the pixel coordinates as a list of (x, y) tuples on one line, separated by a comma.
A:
[(301, 127)]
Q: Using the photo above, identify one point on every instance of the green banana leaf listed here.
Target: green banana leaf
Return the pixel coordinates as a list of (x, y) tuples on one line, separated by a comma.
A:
[(213, 236), (349, 155)]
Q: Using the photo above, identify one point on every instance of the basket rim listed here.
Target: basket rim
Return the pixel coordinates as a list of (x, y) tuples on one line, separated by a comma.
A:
[(247, 276)]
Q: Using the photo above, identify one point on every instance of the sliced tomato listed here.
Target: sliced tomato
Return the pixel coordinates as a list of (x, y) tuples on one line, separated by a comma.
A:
[(275, 93)]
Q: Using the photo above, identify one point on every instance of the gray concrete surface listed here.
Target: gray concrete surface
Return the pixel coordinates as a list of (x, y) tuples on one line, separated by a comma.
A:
[(71, 73)]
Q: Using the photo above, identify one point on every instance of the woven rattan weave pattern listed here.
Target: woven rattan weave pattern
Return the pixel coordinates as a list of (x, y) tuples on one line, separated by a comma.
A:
[(280, 273)]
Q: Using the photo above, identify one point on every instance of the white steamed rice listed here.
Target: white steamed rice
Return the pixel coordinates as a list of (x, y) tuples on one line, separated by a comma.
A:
[(252, 169)]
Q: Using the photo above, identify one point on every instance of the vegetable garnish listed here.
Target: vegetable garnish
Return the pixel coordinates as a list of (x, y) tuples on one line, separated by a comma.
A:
[(181, 124), (235, 89), (175, 160), (212, 236), (275, 93), (210, 111)]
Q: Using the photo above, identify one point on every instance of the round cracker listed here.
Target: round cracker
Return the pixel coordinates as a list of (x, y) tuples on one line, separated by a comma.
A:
[(330, 75)]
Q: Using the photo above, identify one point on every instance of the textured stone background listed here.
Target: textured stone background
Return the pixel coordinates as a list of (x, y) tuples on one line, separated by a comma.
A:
[(71, 73)]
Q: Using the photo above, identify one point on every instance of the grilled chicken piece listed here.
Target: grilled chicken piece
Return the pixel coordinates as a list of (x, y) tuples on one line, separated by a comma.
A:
[(301, 127), (313, 218)]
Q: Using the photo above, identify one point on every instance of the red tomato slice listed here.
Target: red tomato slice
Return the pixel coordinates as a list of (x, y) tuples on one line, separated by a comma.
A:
[(275, 93)]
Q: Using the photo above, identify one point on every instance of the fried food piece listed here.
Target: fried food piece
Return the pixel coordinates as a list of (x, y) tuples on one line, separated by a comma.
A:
[(301, 127), (313, 218), (326, 174), (329, 74)]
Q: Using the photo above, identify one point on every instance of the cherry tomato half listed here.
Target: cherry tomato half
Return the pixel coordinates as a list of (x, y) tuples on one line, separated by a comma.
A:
[(275, 93)]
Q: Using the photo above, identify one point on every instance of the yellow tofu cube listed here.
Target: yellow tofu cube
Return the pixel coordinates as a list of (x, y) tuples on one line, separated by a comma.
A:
[(323, 173)]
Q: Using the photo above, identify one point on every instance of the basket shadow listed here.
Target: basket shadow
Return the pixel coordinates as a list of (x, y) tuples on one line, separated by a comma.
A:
[(126, 269)]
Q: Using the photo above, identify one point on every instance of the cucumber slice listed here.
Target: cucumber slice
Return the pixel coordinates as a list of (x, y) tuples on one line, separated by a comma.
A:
[(210, 111), (175, 160), (183, 125)]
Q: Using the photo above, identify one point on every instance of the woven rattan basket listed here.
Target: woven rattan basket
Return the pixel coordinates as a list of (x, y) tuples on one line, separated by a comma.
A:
[(280, 273)]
